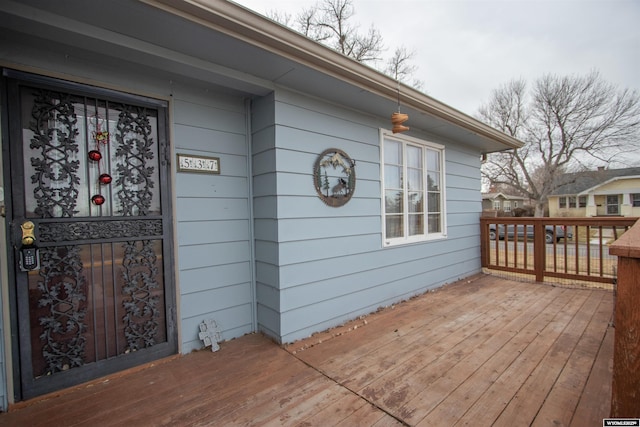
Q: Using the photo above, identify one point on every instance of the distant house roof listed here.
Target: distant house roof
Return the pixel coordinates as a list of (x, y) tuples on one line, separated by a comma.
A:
[(492, 196), (579, 182)]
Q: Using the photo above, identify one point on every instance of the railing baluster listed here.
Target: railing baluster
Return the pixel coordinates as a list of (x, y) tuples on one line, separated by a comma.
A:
[(576, 241), (554, 246), (526, 251), (588, 236), (600, 253), (566, 252)]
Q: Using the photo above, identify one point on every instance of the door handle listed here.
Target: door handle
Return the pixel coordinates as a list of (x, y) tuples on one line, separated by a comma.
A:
[(29, 252), (28, 233)]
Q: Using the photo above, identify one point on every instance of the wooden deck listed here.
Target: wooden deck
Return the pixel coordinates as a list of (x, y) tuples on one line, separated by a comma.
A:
[(484, 351)]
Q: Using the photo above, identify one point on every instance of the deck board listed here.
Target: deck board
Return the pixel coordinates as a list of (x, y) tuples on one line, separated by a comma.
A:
[(537, 375), (483, 351)]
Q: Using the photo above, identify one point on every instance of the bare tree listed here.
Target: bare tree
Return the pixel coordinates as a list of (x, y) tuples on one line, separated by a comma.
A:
[(330, 22), (401, 67), (567, 124)]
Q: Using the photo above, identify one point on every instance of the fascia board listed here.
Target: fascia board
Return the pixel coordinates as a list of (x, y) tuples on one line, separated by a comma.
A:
[(241, 23)]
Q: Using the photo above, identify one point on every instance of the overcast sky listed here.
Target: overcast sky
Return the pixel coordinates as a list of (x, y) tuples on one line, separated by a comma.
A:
[(466, 48)]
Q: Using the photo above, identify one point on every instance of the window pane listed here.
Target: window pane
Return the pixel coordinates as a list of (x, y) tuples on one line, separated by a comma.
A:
[(414, 157), (392, 177), (562, 202), (612, 205), (434, 202), (434, 223), (433, 160), (416, 224), (392, 152), (393, 201), (635, 200), (433, 181), (414, 179), (416, 201), (394, 226), (582, 201)]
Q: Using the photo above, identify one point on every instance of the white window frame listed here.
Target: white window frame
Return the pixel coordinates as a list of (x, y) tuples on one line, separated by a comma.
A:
[(506, 206), (426, 236), (497, 205)]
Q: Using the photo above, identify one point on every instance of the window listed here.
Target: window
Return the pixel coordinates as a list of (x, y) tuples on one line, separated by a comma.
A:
[(613, 205), (635, 200), (496, 205), (572, 202), (562, 202), (413, 177), (515, 204), (506, 206), (582, 201)]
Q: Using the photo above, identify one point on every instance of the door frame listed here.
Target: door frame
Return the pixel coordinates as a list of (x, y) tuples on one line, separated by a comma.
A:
[(9, 129)]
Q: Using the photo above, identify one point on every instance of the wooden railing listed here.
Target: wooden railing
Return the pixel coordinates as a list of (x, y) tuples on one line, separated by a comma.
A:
[(562, 248), (625, 393)]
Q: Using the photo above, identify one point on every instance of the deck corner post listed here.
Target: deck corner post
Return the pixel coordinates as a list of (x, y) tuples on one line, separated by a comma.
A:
[(625, 390), (484, 242)]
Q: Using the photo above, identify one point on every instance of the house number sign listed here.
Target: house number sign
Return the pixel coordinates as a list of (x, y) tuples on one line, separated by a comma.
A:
[(198, 164), (334, 176)]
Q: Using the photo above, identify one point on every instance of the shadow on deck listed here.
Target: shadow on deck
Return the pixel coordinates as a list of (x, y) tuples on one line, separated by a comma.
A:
[(482, 351)]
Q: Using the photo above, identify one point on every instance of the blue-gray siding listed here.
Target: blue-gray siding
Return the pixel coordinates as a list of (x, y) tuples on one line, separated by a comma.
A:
[(213, 218), (318, 266)]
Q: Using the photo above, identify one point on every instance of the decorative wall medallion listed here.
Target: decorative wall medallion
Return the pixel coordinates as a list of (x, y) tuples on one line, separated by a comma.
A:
[(334, 176)]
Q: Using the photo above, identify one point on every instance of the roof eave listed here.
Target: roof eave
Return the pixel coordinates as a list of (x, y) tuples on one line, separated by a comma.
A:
[(239, 22)]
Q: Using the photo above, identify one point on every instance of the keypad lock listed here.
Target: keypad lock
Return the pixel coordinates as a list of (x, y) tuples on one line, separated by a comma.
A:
[(29, 253), (29, 258)]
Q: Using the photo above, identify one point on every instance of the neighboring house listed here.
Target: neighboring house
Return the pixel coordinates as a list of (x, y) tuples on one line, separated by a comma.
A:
[(603, 192), (180, 163), (501, 202)]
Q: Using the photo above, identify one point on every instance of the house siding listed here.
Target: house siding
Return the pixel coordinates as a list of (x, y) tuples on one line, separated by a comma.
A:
[(622, 185), (213, 217), (556, 211), (327, 265), (263, 153)]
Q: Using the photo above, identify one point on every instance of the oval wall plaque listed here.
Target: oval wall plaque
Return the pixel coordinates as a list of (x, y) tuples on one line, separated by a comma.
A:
[(334, 176)]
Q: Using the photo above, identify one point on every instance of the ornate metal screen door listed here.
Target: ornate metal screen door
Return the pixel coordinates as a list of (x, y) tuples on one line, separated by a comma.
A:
[(89, 171)]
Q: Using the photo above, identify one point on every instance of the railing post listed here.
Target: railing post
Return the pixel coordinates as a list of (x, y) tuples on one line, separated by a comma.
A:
[(625, 393), (539, 249), (484, 243)]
